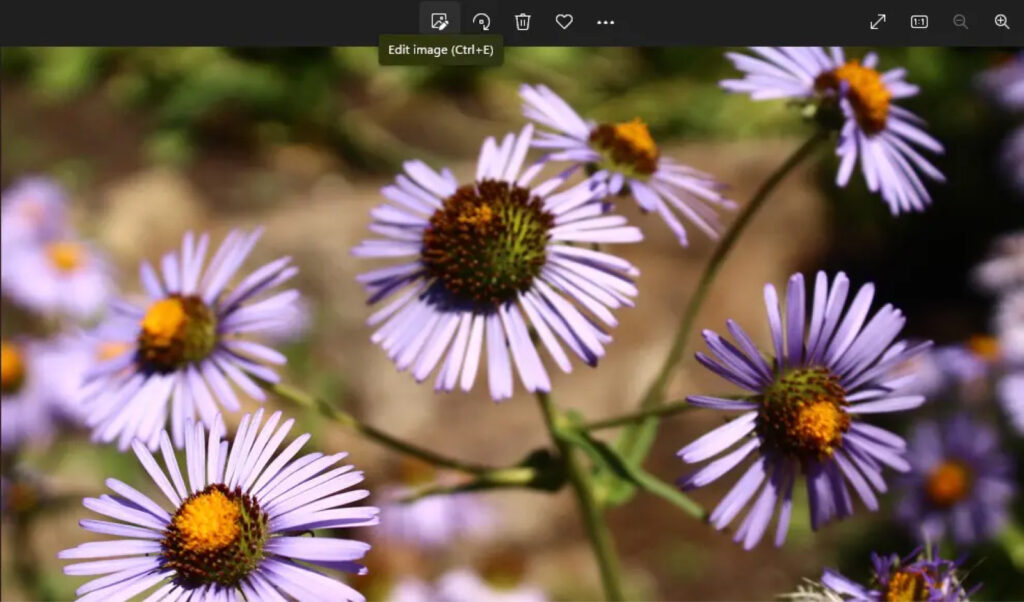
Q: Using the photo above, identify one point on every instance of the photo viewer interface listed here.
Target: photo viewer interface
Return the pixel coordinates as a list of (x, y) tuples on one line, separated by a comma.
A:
[(512, 301)]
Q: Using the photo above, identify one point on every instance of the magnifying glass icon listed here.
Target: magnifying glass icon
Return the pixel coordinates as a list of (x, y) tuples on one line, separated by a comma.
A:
[(1002, 21), (960, 21)]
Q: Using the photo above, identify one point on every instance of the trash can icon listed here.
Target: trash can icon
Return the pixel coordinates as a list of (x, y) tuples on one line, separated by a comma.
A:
[(523, 22)]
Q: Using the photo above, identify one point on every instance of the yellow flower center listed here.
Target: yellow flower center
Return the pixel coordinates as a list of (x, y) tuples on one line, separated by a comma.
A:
[(868, 94), (216, 536), (12, 367), (108, 350), (175, 331), (802, 415), (627, 147), (66, 256), (164, 320), (208, 522), (477, 216), (948, 483), (907, 586), (984, 346)]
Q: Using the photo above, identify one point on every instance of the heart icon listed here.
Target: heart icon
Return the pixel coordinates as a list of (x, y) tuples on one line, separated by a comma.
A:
[(564, 20)]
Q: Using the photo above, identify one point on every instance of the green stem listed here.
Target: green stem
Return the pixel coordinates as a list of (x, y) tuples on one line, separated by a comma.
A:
[(350, 422), (632, 439), (501, 478), (591, 514), (668, 409)]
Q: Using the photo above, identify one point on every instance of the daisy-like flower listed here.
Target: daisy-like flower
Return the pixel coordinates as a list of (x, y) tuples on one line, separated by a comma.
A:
[(463, 585), (1003, 270), (916, 578), (1010, 331), (188, 346), (625, 159), (433, 521), (806, 412), (960, 481), (38, 382), (239, 528), (60, 277), (858, 100), (33, 210), (958, 371), (1005, 83), (484, 262)]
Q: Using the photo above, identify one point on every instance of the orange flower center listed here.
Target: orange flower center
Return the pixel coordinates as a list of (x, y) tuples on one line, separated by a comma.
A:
[(984, 346), (12, 367), (66, 256), (948, 483), (907, 586), (867, 92), (627, 147)]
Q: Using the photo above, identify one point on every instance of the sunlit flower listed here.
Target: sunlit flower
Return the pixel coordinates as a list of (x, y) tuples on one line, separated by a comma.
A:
[(960, 481), (805, 415), (853, 97), (486, 261), (625, 159), (432, 521), (243, 526), (60, 277), (32, 211), (463, 585), (188, 346), (38, 384), (916, 578)]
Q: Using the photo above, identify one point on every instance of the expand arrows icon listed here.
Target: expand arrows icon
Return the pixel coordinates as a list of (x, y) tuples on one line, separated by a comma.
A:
[(878, 21)]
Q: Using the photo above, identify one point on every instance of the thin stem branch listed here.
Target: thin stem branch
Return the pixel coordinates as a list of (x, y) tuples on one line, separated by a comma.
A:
[(668, 409), (632, 438), (590, 512), (350, 422), (502, 478)]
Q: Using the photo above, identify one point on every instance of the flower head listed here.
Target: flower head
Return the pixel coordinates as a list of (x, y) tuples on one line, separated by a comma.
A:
[(960, 481), (187, 346), (1009, 323), (239, 528), (1005, 82), (624, 159), (807, 407), (916, 578), (34, 210), (855, 98), (59, 277), (483, 260)]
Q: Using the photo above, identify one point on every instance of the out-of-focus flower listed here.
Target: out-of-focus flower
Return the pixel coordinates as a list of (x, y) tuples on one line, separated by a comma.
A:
[(1013, 158), (38, 390), (60, 277), (853, 97), (33, 211), (1003, 270), (960, 481), (463, 585), (948, 371), (805, 414), (23, 491), (916, 578), (1005, 83), (1009, 324), (234, 530), (436, 520), (486, 261), (625, 159), (188, 347)]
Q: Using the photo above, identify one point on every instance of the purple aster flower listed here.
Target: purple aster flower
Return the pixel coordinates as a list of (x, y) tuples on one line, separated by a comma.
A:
[(37, 390), (1003, 270), (33, 210), (856, 99), (1005, 83), (1010, 332), (484, 262), (1013, 158), (434, 521), (807, 409), (59, 277), (951, 370), (240, 527), (625, 160), (188, 346), (960, 481), (463, 585), (916, 578)]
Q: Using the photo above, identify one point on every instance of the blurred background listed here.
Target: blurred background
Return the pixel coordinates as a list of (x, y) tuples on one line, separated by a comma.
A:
[(153, 142)]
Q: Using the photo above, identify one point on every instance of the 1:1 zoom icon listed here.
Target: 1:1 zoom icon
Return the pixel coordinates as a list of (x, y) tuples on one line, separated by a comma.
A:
[(919, 21)]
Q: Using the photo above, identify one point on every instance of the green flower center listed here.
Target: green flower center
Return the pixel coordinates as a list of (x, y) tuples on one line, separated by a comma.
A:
[(176, 331), (487, 243), (627, 148), (802, 414), (215, 536)]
